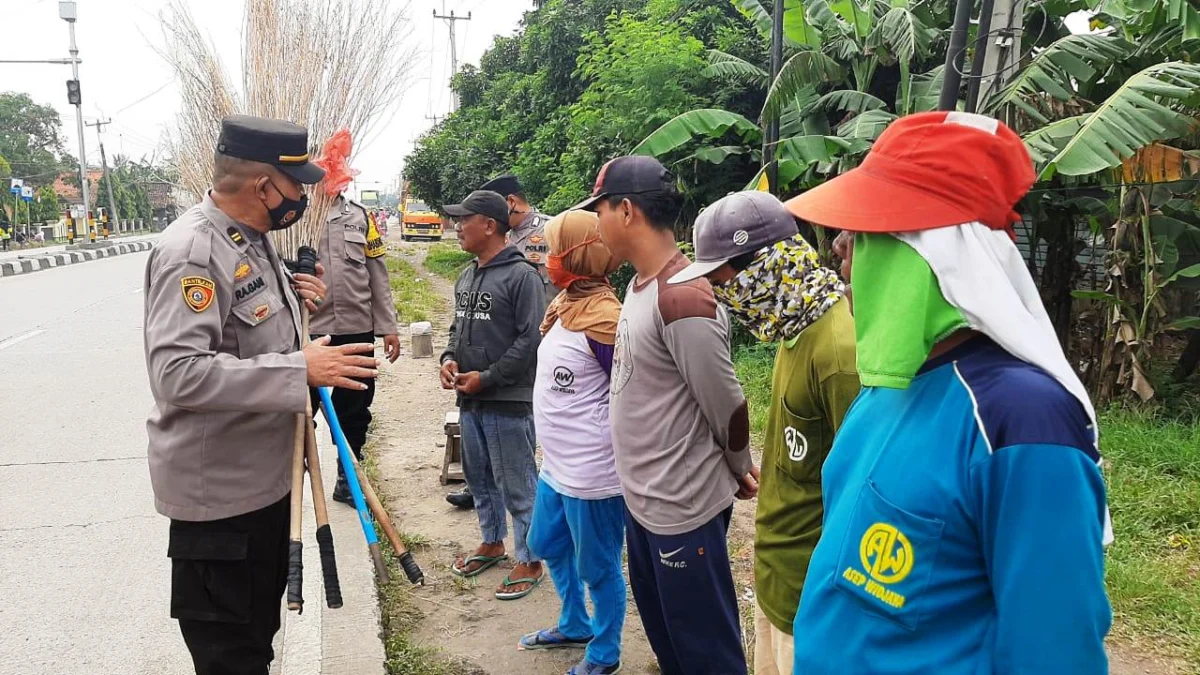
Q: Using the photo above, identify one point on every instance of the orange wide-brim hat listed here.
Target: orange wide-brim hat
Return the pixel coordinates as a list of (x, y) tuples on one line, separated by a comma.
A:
[(926, 171)]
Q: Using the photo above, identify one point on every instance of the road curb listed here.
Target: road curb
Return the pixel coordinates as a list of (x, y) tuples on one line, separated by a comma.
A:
[(11, 268)]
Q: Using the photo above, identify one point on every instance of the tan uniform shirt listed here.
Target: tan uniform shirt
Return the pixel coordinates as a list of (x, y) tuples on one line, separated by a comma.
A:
[(530, 239), (222, 333), (358, 298)]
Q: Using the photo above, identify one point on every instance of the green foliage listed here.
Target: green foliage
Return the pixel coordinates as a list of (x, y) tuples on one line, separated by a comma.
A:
[(415, 297), (584, 81), (31, 140), (447, 260)]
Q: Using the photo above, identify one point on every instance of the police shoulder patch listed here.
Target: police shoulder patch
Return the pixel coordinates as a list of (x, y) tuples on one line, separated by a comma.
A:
[(375, 246), (234, 235), (198, 292)]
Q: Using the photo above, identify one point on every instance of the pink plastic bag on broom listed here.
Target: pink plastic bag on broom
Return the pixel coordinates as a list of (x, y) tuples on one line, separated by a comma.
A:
[(335, 158)]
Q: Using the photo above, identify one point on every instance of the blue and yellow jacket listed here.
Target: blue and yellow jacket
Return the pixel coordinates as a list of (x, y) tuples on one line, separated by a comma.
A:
[(964, 519)]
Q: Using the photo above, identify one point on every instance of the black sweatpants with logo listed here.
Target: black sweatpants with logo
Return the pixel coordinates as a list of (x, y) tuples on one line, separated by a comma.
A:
[(353, 408), (686, 598), (227, 582)]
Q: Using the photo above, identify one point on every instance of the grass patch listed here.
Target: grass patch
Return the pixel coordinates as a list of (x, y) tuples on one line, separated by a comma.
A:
[(398, 611), (753, 364), (415, 297), (447, 259), (1153, 474), (1153, 570)]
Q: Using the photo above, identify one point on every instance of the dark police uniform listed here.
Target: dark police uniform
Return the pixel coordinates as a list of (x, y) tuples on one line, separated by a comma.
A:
[(358, 306), (222, 341)]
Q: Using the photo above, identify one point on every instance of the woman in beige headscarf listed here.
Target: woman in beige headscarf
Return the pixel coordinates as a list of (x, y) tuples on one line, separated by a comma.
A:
[(578, 516)]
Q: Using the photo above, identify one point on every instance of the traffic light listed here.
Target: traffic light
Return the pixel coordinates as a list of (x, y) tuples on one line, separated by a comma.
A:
[(73, 96)]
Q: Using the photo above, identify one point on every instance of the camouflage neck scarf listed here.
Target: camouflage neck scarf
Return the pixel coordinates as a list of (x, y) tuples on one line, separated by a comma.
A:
[(782, 292)]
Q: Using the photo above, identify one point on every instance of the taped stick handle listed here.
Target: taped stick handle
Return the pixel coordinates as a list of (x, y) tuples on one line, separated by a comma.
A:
[(385, 522), (329, 573), (295, 573)]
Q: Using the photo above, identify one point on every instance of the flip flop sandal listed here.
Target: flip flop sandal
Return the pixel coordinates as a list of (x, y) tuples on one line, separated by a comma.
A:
[(488, 562), (550, 639), (516, 595)]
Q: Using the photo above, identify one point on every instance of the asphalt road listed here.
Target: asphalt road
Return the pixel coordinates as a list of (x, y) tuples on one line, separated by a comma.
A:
[(84, 577)]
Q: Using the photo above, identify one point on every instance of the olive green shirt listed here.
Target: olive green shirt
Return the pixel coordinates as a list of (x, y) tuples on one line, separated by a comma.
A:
[(813, 384)]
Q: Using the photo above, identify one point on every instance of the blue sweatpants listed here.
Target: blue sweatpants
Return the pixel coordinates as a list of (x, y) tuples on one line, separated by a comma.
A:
[(580, 540), (684, 591)]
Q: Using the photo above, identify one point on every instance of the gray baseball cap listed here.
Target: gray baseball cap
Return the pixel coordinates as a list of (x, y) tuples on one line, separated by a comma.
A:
[(738, 223)]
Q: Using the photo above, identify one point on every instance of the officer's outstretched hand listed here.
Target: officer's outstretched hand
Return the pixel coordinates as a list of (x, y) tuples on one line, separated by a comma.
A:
[(335, 366)]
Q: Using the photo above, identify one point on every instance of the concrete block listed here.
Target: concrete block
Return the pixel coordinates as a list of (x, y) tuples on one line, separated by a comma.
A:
[(76, 257), (62, 259), (27, 265), (9, 269), (44, 263)]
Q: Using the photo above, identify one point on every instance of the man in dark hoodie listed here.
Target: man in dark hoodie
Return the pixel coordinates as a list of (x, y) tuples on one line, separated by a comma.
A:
[(491, 361)]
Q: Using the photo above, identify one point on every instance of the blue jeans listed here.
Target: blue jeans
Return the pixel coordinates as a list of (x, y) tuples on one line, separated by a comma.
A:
[(581, 540), (497, 455)]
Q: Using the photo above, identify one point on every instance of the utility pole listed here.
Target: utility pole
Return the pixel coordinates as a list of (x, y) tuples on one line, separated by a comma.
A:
[(436, 119), (1007, 21), (956, 53), (67, 12), (116, 215), (453, 46), (771, 139)]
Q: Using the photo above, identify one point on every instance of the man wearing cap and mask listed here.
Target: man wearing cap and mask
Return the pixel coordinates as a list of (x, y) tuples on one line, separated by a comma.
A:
[(771, 280), (965, 512), (222, 341), (491, 361)]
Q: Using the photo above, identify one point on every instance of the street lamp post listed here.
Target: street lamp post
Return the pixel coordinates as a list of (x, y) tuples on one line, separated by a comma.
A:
[(67, 12)]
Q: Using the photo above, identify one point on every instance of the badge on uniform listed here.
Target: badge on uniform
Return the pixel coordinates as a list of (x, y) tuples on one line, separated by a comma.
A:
[(261, 312), (375, 246), (198, 292), (536, 239), (234, 235), (533, 257), (241, 271)]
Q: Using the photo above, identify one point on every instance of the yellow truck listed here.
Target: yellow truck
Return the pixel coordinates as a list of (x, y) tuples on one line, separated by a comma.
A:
[(418, 221)]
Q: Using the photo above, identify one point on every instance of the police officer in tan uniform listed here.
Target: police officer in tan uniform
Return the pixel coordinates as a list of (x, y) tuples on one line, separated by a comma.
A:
[(358, 307), (222, 340), (528, 231)]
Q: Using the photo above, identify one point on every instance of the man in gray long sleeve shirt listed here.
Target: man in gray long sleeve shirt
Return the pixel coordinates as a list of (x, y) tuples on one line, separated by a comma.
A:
[(680, 429)]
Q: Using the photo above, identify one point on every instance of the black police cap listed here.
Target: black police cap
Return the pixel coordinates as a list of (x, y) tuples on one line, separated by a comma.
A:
[(276, 142), (482, 202), (505, 185)]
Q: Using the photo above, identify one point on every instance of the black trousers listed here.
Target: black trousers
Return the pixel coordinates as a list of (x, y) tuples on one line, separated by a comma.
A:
[(353, 408), (227, 582)]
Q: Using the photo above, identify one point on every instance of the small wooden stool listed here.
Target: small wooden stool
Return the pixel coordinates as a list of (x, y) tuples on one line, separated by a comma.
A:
[(452, 462)]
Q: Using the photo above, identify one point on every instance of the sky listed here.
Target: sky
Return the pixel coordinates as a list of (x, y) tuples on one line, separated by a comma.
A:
[(123, 77)]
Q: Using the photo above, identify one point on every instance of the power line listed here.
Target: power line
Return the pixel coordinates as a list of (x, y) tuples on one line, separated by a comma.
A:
[(164, 86), (451, 20)]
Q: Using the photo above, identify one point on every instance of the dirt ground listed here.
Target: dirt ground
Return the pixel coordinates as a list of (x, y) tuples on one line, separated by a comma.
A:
[(462, 617)]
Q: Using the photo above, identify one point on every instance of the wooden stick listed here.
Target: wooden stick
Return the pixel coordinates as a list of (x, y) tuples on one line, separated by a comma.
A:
[(333, 587), (385, 521)]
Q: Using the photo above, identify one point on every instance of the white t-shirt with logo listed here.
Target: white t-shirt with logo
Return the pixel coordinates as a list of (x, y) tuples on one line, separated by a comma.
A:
[(570, 409)]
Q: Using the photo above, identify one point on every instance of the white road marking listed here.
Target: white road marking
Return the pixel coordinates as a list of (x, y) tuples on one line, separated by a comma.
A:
[(20, 338), (136, 290)]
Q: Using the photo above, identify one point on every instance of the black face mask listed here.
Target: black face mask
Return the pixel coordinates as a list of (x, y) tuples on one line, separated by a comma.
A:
[(288, 212)]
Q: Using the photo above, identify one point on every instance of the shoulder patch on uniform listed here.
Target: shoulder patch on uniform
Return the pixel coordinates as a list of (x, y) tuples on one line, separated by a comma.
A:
[(375, 246), (235, 235), (198, 292)]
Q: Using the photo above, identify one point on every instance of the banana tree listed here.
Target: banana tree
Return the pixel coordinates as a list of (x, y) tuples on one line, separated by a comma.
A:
[(829, 103)]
